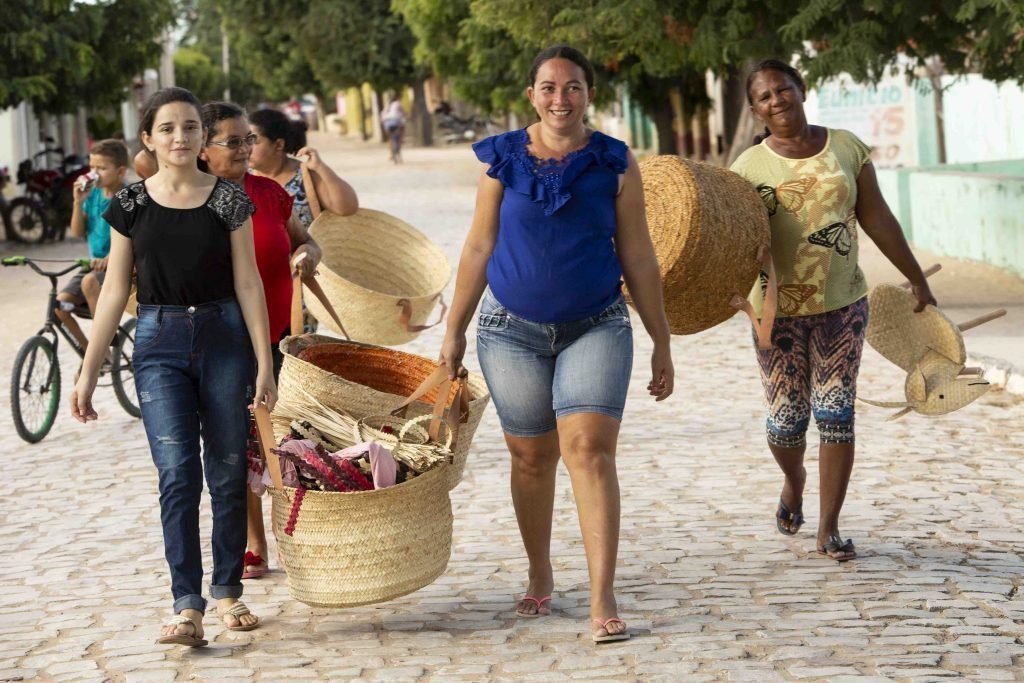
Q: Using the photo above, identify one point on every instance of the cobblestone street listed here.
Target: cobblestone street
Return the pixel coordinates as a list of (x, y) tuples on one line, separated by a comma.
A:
[(709, 587)]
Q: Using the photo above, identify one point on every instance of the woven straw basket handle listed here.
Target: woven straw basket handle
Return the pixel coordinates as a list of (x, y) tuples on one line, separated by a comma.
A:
[(406, 315), (310, 282), (265, 435), (762, 326), (452, 414)]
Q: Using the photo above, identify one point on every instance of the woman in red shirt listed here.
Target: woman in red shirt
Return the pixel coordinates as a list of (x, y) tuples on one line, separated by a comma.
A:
[(280, 240)]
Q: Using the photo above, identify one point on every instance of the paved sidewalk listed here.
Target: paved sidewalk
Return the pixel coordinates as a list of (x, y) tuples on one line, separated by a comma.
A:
[(710, 589)]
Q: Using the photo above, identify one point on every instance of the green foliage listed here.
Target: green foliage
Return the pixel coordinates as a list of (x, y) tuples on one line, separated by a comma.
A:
[(197, 72), (485, 64), (865, 38), (59, 55), (350, 42)]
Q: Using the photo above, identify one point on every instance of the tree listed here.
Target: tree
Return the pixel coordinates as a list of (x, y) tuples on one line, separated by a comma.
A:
[(197, 72), (201, 54), (60, 55), (485, 64), (351, 42)]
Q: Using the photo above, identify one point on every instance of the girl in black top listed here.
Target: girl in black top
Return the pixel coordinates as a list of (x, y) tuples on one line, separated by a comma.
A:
[(201, 318)]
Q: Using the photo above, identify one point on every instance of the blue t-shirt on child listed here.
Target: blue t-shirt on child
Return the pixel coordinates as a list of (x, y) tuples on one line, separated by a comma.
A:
[(554, 260), (97, 230)]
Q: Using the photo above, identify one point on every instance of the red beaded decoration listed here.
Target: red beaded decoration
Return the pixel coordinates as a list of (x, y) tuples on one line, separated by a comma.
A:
[(293, 516)]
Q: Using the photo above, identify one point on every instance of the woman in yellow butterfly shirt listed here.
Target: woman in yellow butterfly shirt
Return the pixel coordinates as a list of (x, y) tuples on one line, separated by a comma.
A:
[(818, 185)]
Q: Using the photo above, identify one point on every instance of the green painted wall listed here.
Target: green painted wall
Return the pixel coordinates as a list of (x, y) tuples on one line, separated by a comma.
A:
[(973, 211)]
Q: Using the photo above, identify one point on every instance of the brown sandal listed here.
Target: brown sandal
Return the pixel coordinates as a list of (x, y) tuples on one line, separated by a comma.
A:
[(237, 610), (189, 640)]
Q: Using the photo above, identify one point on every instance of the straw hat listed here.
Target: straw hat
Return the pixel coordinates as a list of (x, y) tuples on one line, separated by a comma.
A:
[(708, 225), (376, 268)]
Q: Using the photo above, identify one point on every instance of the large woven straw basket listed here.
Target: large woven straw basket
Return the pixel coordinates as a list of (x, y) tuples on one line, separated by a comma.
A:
[(365, 380), (359, 548), (383, 276), (708, 225)]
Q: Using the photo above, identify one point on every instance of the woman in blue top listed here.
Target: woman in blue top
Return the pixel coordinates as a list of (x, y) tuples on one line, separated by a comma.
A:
[(559, 223)]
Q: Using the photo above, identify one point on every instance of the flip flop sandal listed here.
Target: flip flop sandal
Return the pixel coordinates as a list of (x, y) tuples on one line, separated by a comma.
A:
[(237, 610), (836, 545), (610, 637), (254, 561), (182, 638), (542, 611), (796, 518)]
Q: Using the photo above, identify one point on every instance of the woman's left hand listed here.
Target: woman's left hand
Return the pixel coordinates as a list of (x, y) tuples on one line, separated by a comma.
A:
[(305, 266), (662, 373), (266, 390), (313, 160), (924, 296)]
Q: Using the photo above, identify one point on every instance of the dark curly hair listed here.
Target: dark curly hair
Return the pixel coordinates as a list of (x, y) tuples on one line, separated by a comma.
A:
[(772, 64), (274, 126)]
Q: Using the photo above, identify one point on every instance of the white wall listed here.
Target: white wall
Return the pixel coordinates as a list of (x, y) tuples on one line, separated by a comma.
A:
[(983, 120)]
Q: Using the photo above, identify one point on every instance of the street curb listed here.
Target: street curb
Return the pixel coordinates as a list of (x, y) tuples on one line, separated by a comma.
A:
[(1000, 373)]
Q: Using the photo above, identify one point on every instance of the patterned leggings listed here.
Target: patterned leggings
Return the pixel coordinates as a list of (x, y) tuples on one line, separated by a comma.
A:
[(812, 367)]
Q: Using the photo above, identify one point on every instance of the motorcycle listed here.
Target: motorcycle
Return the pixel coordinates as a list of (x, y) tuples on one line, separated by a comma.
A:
[(44, 211), (5, 209), (456, 129)]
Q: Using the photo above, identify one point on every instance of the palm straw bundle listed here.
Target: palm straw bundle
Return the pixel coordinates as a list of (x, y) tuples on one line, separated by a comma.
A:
[(361, 380), (407, 441), (383, 276), (708, 225)]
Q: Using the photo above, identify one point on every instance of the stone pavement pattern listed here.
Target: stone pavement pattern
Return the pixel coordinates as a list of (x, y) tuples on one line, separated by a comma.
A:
[(710, 589)]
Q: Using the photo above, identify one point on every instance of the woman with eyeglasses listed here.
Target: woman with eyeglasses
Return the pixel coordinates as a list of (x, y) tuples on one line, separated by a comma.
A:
[(280, 240), (279, 141)]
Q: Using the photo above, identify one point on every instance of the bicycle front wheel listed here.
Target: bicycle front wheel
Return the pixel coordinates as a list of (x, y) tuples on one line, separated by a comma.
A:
[(28, 224), (123, 372), (35, 389)]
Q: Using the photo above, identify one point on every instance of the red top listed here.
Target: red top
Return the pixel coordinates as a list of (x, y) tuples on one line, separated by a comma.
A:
[(273, 249)]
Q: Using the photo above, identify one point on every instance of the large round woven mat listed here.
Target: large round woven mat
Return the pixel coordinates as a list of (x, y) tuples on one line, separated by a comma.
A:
[(372, 261), (708, 225), (904, 337)]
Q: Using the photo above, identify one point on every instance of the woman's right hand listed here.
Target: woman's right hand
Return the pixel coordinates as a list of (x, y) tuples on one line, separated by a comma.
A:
[(452, 351), (81, 399)]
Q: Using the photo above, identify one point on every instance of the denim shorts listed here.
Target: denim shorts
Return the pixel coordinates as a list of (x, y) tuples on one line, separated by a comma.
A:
[(540, 372)]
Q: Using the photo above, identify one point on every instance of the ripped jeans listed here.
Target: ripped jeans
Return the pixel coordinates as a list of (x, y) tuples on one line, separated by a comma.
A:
[(194, 374)]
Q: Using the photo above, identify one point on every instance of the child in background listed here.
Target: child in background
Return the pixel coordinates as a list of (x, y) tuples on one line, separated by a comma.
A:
[(108, 161)]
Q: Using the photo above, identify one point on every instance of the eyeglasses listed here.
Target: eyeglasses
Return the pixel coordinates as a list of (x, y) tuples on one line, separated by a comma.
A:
[(236, 142)]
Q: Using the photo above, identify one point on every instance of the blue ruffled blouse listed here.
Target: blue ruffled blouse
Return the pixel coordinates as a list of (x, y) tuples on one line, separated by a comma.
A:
[(554, 260)]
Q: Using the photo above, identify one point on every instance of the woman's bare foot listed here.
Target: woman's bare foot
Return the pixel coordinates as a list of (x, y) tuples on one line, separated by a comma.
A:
[(792, 499), (605, 622), (185, 628), (236, 615), (540, 587)]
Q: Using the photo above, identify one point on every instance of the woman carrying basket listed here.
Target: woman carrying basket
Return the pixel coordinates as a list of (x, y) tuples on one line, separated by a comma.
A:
[(280, 241), (278, 141), (818, 183), (559, 223), (201, 314)]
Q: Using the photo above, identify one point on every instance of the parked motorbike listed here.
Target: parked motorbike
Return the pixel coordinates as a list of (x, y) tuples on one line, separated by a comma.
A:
[(44, 211), (4, 206), (456, 129)]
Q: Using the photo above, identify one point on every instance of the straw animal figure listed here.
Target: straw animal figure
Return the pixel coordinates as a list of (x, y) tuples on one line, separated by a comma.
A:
[(929, 346)]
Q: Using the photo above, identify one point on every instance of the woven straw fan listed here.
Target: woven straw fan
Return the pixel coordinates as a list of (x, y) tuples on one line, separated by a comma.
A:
[(929, 346)]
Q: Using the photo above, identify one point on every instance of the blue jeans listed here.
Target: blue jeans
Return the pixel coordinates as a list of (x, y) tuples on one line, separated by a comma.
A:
[(539, 372), (194, 377)]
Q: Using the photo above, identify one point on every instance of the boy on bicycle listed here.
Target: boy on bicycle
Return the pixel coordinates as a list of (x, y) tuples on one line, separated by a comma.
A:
[(108, 160)]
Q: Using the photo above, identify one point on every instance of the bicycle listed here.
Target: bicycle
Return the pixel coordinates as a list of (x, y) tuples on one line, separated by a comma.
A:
[(35, 379)]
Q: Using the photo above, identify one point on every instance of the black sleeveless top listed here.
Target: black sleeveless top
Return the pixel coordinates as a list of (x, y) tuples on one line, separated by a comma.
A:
[(182, 256)]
